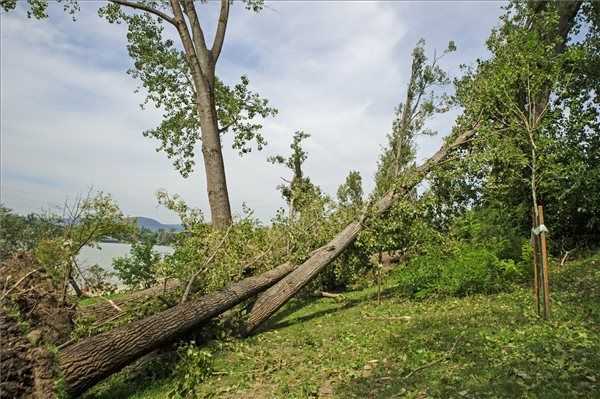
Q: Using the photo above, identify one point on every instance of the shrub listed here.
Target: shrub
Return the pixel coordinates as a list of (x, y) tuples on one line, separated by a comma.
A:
[(464, 271), (137, 269), (194, 366)]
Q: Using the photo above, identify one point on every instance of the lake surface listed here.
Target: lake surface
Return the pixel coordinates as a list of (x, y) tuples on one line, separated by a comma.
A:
[(108, 251)]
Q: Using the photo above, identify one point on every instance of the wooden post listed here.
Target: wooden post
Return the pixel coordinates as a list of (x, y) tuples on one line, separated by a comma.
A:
[(544, 253), (536, 262)]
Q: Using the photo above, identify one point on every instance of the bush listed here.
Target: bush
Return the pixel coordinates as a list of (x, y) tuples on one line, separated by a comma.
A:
[(194, 366), (137, 269), (466, 270)]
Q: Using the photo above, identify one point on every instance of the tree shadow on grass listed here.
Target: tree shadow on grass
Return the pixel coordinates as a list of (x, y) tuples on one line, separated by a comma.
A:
[(280, 322), (489, 353), (136, 378)]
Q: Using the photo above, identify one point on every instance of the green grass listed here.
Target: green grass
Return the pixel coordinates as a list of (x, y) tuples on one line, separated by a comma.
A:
[(474, 347), (89, 301)]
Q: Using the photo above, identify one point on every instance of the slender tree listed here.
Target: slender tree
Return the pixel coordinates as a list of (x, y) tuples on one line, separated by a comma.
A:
[(420, 103), (299, 189), (182, 82)]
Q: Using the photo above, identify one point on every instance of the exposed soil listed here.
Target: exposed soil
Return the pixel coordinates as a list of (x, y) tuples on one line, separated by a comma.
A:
[(16, 374), (31, 317)]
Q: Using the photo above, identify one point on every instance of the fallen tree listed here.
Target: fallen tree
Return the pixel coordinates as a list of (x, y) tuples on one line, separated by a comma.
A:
[(276, 296), (89, 361)]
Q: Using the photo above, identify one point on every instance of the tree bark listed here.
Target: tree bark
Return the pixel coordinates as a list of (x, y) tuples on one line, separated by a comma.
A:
[(202, 63), (216, 181), (273, 298), (89, 361)]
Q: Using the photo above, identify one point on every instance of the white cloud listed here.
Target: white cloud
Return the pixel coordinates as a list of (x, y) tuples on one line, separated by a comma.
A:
[(70, 118)]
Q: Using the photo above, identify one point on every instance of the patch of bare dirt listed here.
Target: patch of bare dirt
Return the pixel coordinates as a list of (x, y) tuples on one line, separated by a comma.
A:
[(31, 317)]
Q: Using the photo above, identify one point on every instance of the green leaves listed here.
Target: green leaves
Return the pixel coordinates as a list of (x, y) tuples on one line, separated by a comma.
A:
[(300, 192), (237, 110), (423, 100), (169, 85), (38, 9), (137, 269), (537, 117), (350, 193), (194, 366)]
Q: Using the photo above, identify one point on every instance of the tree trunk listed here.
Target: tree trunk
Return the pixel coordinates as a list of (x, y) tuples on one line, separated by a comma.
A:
[(93, 359), (216, 182), (273, 298), (75, 287)]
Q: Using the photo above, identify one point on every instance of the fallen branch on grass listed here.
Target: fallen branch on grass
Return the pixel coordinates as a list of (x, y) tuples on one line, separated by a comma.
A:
[(403, 318)]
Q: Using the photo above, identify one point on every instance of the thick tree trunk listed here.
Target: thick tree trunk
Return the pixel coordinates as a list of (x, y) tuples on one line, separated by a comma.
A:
[(216, 182), (273, 298), (93, 359)]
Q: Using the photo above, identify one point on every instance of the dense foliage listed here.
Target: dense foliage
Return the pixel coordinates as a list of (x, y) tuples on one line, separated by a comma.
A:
[(137, 269), (536, 106)]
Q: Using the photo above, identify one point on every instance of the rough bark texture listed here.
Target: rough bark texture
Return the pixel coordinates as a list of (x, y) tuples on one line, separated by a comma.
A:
[(91, 360), (216, 181), (272, 299)]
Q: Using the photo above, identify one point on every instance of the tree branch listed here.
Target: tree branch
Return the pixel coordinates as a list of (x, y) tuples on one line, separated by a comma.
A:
[(188, 45), (143, 7), (5, 294), (221, 28), (188, 287), (198, 35)]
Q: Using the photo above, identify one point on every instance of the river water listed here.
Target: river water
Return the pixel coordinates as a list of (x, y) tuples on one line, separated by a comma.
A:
[(108, 251)]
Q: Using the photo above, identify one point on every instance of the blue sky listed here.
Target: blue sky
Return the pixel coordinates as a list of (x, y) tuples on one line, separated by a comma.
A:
[(70, 118)]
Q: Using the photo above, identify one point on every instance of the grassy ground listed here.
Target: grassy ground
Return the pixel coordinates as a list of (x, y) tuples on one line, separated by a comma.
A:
[(475, 347)]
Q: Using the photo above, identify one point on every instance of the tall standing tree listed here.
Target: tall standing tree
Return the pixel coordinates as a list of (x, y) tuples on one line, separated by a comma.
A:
[(518, 95), (182, 82), (421, 102)]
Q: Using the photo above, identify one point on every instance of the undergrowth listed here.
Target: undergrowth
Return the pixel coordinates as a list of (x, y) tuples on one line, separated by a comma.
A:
[(478, 346)]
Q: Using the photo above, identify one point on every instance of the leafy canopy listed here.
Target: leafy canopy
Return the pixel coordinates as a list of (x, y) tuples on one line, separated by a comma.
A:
[(165, 76)]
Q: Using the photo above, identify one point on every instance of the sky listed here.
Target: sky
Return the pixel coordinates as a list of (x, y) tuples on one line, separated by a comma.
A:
[(71, 120)]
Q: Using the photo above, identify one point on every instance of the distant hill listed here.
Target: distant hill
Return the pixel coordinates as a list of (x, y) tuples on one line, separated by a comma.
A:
[(155, 225)]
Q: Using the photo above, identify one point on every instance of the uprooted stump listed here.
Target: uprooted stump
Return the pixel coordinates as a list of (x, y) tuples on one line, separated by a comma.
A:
[(31, 318)]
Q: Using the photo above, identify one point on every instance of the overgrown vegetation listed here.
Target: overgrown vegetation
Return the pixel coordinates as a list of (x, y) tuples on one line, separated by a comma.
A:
[(455, 318), (476, 347)]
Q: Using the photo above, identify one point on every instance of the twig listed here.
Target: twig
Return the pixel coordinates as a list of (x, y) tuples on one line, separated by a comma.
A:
[(433, 363), (564, 258), (370, 317), (325, 294), (65, 344), (5, 294), (114, 305), (6, 283)]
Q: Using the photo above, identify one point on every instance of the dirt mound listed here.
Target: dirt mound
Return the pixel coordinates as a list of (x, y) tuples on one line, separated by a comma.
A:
[(31, 316), (15, 367), (37, 298)]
